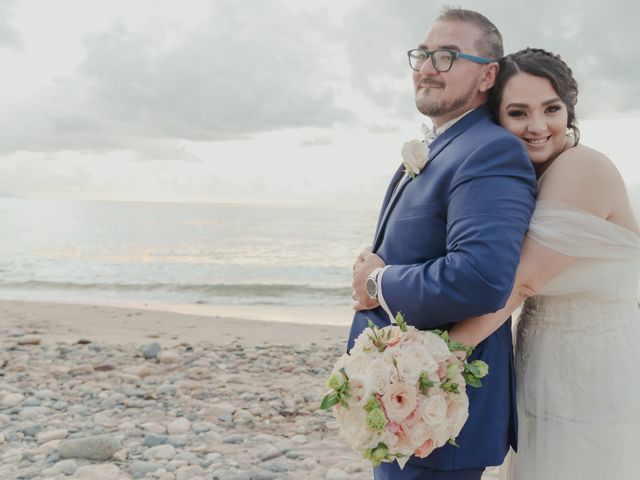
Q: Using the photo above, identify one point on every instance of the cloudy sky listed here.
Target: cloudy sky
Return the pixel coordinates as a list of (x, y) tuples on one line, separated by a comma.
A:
[(262, 100)]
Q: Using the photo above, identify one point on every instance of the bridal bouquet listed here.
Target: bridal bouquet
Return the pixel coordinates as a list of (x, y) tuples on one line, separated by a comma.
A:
[(402, 391)]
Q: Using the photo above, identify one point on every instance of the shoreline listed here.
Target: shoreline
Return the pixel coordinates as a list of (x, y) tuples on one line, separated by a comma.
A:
[(173, 324)]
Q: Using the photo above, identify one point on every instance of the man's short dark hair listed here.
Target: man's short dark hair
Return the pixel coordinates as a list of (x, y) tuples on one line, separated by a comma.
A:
[(489, 44)]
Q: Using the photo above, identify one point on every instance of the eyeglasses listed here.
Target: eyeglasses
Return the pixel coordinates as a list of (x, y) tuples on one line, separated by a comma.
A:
[(442, 60)]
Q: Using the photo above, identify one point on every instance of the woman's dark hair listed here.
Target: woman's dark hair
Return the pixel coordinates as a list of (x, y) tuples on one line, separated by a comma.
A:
[(540, 63)]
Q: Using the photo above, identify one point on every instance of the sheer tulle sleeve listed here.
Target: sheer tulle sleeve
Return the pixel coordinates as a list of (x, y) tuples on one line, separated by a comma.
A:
[(609, 254), (576, 233)]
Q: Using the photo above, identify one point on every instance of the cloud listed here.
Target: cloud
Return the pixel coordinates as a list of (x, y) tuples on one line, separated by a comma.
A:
[(9, 35), (316, 142), (244, 68), (595, 38), (241, 71)]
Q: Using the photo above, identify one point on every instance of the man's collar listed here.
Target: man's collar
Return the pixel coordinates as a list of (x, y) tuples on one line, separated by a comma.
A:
[(441, 129)]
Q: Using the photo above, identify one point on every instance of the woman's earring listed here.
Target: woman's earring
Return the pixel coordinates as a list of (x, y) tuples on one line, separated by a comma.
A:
[(571, 137)]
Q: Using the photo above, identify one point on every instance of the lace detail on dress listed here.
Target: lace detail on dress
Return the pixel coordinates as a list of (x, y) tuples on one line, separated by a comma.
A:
[(578, 385)]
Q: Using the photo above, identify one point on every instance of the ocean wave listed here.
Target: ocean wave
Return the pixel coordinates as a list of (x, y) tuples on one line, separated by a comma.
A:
[(250, 290)]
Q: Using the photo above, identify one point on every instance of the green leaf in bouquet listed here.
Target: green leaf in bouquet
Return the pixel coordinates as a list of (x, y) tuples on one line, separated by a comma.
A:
[(452, 441), (456, 346), (334, 382), (329, 401), (424, 384), (480, 368), (472, 380), (401, 322), (450, 387), (378, 337), (379, 454)]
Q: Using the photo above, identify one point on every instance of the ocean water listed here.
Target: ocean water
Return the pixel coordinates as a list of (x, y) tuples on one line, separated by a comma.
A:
[(67, 250)]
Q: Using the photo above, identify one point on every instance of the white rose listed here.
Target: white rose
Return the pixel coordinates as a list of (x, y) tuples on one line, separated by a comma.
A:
[(339, 363), (437, 347), (356, 364), (418, 434), (413, 360), (443, 432), (434, 410), (377, 376), (415, 155), (359, 389), (458, 411), (434, 413), (363, 343), (353, 429)]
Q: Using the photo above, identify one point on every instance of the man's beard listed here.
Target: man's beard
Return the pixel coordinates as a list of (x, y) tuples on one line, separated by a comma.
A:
[(439, 109)]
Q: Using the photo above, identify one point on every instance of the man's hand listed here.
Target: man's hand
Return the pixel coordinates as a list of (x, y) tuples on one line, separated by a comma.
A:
[(366, 263), (360, 258)]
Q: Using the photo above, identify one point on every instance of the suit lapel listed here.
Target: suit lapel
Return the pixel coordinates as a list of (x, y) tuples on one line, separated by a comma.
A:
[(403, 182), (391, 197), (387, 198)]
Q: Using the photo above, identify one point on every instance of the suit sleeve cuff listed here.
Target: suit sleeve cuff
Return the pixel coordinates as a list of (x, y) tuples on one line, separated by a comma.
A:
[(383, 303)]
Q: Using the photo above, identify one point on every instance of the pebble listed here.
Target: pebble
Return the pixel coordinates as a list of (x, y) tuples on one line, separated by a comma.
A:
[(100, 447), (234, 439), (337, 474), (169, 356), (140, 469), (151, 351), (48, 435), (11, 400), (30, 340), (68, 467), (178, 426), (98, 472), (160, 452), (189, 412), (189, 473)]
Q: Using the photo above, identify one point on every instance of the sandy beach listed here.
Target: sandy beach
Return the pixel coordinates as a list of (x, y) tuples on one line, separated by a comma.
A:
[(103, 392), (172, 324)]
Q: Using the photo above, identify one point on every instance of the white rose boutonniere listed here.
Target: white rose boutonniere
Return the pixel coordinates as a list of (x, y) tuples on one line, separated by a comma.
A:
[(415, 155)]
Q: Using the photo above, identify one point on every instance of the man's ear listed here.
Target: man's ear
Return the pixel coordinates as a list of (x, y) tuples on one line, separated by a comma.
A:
[(489, 77)]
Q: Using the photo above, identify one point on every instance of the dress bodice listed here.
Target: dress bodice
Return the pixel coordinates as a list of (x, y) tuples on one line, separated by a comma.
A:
[(578, 391), (608, 254)]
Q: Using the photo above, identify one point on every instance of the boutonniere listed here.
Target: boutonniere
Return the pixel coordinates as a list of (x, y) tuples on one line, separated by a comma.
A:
[(415, 155)]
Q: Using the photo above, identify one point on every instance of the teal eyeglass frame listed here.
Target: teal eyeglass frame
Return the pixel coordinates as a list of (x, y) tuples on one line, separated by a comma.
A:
[(455, 55)]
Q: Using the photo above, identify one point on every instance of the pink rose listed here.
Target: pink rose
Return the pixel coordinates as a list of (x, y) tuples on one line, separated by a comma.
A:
[(426, 448), (399, 401)]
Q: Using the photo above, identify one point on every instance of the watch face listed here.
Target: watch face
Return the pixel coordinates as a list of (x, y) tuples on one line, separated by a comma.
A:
[(372, 288)]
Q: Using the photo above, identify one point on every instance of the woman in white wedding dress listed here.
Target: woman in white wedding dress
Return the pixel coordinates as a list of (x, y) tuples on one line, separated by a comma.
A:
[(577, 338)]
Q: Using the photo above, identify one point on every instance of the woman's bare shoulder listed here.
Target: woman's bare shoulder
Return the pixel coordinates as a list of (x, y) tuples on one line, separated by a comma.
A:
[(583, 177), (582, 160)]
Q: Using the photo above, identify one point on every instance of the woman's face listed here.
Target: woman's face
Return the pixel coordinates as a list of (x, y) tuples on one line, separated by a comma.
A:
[(532, 110)]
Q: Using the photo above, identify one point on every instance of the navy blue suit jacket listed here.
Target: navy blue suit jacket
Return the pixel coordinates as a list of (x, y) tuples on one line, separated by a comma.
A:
[(452, 239)]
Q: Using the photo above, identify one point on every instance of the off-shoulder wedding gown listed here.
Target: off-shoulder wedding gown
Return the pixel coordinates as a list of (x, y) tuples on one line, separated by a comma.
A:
[(577, 362)]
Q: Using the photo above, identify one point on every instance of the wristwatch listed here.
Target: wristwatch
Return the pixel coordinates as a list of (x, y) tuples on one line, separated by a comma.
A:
[(372, 284)]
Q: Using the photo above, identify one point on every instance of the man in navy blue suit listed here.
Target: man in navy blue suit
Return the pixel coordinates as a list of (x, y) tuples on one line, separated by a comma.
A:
[(448, 240)]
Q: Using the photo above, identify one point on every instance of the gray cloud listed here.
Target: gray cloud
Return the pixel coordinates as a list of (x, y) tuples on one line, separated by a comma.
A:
[(9, 35), (316, 142), (243, 71), (597, 39), (258, 66)]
